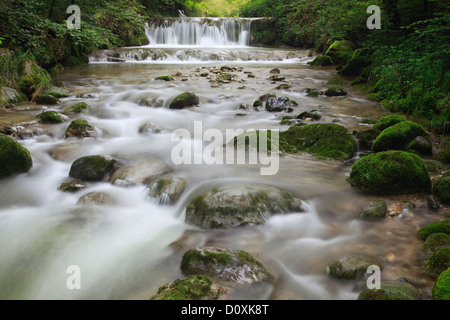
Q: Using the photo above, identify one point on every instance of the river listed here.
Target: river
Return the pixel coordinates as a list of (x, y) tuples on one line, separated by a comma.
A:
[(124, 249)]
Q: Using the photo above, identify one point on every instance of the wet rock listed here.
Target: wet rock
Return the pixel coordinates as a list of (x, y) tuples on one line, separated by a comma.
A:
[(283, 86), (80, 107), (439, 261), (335, 92), (398, 136), (441, 189), (395, 172), (281, 104), (96, 198), (151, 128), (80, 128), (184, 100), (72, 186), (434, 166), (13, 157), (167, 190), (435, 242), (312, 92), (276, 78), (92, 168), (196, 287), (391, 290), (46, 99), (312, 115), (266, 97), (115, 59), (10, 97), (58, 92), (366, 138), (237, 205), (165, 78), (433, 202), (49, 117), (275, 71), (225, 264), (351, 267), (140, 172), (374, 209), (224, 78)]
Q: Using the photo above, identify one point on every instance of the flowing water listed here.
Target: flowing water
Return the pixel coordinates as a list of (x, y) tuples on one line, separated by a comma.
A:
[(125, 249)]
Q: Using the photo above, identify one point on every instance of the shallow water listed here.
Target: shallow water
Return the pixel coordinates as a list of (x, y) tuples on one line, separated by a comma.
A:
[(124, 249)]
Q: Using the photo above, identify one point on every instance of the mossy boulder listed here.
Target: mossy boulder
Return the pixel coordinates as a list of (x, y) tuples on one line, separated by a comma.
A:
[(13, 157), (398, 136), (351, 267), (366, 138), (79, 128), (32, 76), (390, 172), (225, 264), (165, 78), (49, 117), (80, 107), (196, 287), (355, 66), (421, 145), (184, 100), (309, 115), (335, 92), (341, 51), (374, 209), (391, 290), (441, 289), (329, 141), (313, 92), (168, 189), (58, 92), (280, 104), (46, 99), (321, 60), (434, 166), (92, 168), (438, 261), (443, 153), (436, 227), (237, 205), (441, 189), (435, 242), (388, 121), (10, 97)]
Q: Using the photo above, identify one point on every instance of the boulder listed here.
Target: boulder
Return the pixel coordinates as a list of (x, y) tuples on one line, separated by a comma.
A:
[(80, 107), (441, 289), (10, 97), (236, 205), (329, 141), (375, 209), (436, 227), (439, 261), (398, 136), (96, 198), (225, 264), (13, 157), (32, 76), (441, 189), (140, 172), (46, 99), (49, 117), (443, 153), (165, 78), (350, 268), (281, 104), (80, 128), (72, 186), (335, 92), (184, 100), (196, 287), (92, 168), (366, 138), (388, 121), (167, 190), (392, 290)]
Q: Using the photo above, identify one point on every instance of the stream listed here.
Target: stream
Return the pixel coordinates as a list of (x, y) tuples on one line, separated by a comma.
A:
[(125, 249)]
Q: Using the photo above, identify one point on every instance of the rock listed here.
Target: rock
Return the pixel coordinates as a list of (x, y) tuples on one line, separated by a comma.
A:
[(441, 289), (398, 136), (49, 117), (140, 172), (184, 100), (322, 61), (80, 107), (436, 227), (435, 242), (237, 205), (283, 86), (281, 104), (439, 261), (312, 92), (341, 51), (13, 157), (31, 76), (167, 190), (443, 153), (390, 172), (350, 268), (335, 92), (196, 287), (258, 104), (80, 128), (441, 189), (165, 78), (46, 99), (366, 138), (92, 168), (354, 66), (9, 97), (434, 166), (275, 71), (276, 78), (374, 209), (391, 290), (388, 121), (329, 141), (312, 115), (58, 92), (72, 186), (224, 77), (115, 59), (224, 264), (96, 198), (433, 202), (266, 97)]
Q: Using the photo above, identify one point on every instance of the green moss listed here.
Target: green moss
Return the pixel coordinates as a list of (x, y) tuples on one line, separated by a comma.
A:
[(436, 241), (439, 261), (13, 157), (186, 99), (434, 166), (32, 77), (340, 51), (79, 128), (437, 227), (165, 78), (395, 172), (392, 290), (366, 138), (335, 92), (398, 136), (91, 168), (421, 145), (197, 287), (46, 99), (321, 60), (378, 294), (330, 141), (441, 289), (49, 117), (258, 103), (77, 108), (355, 66), (441, 189), (388, 121)]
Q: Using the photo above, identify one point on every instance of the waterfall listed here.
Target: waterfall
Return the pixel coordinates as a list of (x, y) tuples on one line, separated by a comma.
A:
[(200, 32)]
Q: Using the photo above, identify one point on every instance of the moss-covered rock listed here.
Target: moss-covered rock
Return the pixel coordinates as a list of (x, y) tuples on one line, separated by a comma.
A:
[(351, 268), (331, 141), (388, 121), (439, 261), (32, 76), (80, 107), (236, 205), (436, 227), (313, 92), (441, 289), (49, 117), (13, 157), (391, 290), (422, 145), (184, 100), (79, 128), (396, 172), (375, 209), (167, 190), (443, 153), (10, 97), (280, 104), (72, 186), (321, 60), (398, 136), (92, 168), (197, 287), (46, 99), (58, 92), (335, 92), (224, 264), (165, 78), (366, 138), (441, 189), (434, 166), (341, 51), (435, 242), (310, 115), (355, 66)]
